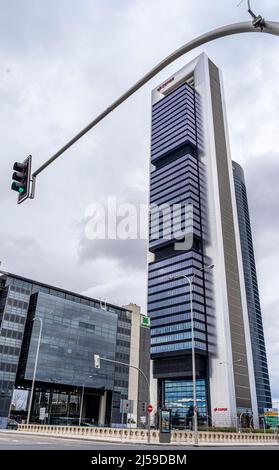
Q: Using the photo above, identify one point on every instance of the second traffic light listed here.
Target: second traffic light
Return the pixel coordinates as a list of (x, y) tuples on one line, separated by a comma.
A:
[(21, 179), (97, 361)]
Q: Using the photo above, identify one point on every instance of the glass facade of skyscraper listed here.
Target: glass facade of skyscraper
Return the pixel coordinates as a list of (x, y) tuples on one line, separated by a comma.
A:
[(178, 396), (177, 190)]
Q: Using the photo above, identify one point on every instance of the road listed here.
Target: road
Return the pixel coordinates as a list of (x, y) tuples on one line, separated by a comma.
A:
[(15, 441)]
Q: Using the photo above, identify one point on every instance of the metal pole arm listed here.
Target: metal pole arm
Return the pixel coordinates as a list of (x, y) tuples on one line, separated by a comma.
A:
[(128, 365), (268, 27)]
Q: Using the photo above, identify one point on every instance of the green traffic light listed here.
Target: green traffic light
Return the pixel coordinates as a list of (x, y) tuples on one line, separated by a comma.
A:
[(21, 190)]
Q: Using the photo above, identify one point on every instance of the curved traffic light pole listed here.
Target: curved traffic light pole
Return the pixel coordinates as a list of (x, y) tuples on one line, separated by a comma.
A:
[(258, 25)]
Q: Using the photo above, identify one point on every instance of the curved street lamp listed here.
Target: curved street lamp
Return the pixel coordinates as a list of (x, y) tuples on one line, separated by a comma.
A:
[(82, 398), (257, 25), (35, 367)]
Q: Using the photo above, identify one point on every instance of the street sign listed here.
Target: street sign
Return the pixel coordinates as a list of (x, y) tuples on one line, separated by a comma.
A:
[(271, 417), (42, 414), (150, 408), (132, 420), (126, 406)]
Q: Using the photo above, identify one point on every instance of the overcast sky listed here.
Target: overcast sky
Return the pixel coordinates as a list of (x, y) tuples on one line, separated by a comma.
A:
[(62, 62)]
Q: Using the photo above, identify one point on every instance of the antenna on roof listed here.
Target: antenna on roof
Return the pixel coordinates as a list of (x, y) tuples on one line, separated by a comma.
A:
[(103, 304), (258, 21)]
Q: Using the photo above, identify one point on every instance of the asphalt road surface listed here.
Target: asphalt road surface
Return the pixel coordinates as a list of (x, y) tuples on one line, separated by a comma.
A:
[(15, 441)]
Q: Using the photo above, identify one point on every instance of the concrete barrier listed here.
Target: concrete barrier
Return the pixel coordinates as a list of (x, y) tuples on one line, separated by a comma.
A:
[(140, 435)]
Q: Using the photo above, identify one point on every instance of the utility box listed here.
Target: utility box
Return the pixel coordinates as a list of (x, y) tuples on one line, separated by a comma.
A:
[(165, 426)]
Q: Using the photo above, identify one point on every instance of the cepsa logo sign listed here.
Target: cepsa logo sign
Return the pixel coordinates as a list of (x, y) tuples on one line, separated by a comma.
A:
[(161, 87), (220, 409)]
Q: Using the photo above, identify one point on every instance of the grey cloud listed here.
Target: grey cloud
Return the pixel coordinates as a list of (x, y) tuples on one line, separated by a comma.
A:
[(262, 176), (129, 254)]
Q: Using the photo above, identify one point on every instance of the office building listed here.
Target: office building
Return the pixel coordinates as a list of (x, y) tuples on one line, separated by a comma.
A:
[(73, 328), (139, 374), (194, 225), (252, 292)]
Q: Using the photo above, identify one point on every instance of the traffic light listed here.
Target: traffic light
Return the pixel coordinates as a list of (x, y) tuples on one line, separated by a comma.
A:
[(143, 406), (97, 361), (21, 179)]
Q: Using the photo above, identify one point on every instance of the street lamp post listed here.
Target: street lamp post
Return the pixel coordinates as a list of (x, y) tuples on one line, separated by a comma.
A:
[(231, 364), (263, 419), (35, 368), (190, 282), (207, 421), (240, 422), (97, 360), (81, 402)]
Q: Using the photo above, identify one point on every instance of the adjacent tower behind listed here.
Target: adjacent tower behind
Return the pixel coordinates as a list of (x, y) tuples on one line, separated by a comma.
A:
[(252, 292)]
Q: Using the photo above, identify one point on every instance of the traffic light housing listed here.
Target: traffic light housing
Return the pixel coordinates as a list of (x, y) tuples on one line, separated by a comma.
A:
[(21, 179), (97, 361), (143, 406)]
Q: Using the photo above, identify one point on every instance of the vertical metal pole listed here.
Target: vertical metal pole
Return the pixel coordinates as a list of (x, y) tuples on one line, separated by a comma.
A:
[(236, 423), (122, 423), (264, 424), (196, 437), (35, 368), (81, 405), (33, 186), (148, 417), (240, 422), (50, 406)]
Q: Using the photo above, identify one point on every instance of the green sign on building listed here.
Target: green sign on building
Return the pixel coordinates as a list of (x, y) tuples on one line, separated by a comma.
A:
[(145, 321)]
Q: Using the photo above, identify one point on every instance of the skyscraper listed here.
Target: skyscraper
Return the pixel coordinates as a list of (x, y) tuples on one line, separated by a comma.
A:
[(194, 224), (252, 292)]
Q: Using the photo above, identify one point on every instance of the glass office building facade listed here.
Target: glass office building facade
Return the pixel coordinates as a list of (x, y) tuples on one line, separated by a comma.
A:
[(252, 292), (74, 328), (178, 396), (68, 333)]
